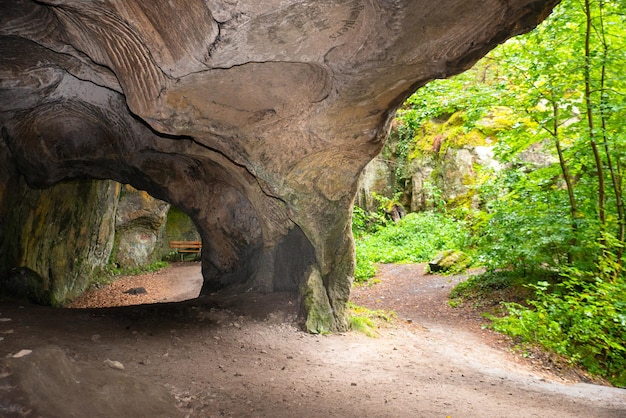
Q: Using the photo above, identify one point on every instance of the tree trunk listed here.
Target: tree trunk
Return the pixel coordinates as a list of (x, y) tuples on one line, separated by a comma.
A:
[(568, 179), (590, 122)]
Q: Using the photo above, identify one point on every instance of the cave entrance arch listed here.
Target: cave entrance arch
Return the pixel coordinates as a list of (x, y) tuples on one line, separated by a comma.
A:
[(66, 235), (61, 240), (254, 117)]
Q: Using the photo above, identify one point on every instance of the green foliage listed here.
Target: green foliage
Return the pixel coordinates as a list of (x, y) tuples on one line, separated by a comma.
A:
[(555, 223), (365, 268), (443, 108), (415, 238), (364, 222), (474, 91), (434, 138), (156, 266), (524, 226), (490, 288), (582, 318), (434, 195)]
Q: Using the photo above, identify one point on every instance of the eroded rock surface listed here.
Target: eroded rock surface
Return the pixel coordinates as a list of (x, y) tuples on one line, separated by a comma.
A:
[(139, 226), (61, 235), (255, 118)]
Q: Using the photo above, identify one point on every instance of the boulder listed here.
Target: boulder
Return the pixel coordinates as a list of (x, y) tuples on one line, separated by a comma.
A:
[(449, 261)]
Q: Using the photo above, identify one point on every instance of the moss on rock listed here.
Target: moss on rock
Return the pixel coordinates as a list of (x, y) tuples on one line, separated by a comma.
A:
[(62, 234), (435, 137), (449, 261), (318, 313)]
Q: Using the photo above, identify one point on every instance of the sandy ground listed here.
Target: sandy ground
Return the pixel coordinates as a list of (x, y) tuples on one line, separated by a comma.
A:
[(247, 358)]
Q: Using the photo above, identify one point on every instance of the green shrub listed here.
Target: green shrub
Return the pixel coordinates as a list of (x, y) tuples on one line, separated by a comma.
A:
[(413, 239), (364, 222), (583, 318), (494, 286)]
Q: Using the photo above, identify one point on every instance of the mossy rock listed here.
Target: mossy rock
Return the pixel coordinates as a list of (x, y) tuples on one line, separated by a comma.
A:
[(449, 261), (499, 118), (435, 138), (319, 314)]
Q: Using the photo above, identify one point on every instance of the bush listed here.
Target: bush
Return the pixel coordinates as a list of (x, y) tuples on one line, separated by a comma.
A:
[(364, 222), (494, 286), (583, 318), (413, 239)]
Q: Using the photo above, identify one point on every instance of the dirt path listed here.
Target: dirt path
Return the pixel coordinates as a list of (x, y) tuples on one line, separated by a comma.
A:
[(250, 360)]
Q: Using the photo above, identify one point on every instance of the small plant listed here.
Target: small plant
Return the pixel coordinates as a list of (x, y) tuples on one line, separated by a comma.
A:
[(171, 256), (365, 268), (365, 222), (435, 195), (582, 318), (367, 321)]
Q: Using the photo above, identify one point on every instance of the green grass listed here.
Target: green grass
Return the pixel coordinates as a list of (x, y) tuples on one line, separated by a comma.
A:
[(368, 321), (416, 238)]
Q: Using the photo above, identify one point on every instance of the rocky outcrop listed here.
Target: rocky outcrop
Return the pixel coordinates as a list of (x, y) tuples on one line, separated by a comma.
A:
[(63, 234), (255, 118), (139, 228), (375, 179), (442, 162)]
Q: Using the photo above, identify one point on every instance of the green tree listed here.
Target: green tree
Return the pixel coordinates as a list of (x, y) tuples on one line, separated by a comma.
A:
[(567, 77), (560, 222)]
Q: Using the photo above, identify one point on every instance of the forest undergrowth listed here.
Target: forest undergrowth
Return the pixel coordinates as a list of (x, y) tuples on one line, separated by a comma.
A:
[(549, 232)]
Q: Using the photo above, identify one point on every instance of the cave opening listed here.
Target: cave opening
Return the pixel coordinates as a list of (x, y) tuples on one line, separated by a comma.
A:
[(66, 242), (75, 239)]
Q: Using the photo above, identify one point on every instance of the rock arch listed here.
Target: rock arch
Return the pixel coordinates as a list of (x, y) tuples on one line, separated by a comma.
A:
[(254, 117)]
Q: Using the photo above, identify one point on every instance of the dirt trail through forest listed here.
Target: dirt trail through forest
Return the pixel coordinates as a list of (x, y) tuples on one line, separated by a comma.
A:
[(247, 358)]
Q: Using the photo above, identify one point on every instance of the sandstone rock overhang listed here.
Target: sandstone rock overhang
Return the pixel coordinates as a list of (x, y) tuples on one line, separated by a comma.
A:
[(256, 118)]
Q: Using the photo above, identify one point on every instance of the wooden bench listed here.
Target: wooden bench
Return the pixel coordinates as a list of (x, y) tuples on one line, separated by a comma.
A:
[(183, 247)]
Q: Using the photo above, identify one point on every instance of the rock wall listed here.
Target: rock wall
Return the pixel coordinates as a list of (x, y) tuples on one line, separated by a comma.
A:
[(375, 179), (63, 233), (61, 238), (443, 163), (140, 222), (256, 118)]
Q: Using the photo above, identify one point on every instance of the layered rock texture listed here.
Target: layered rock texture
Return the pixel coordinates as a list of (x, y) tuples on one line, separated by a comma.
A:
[(58, 238), (140, 223), (255, 118)]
